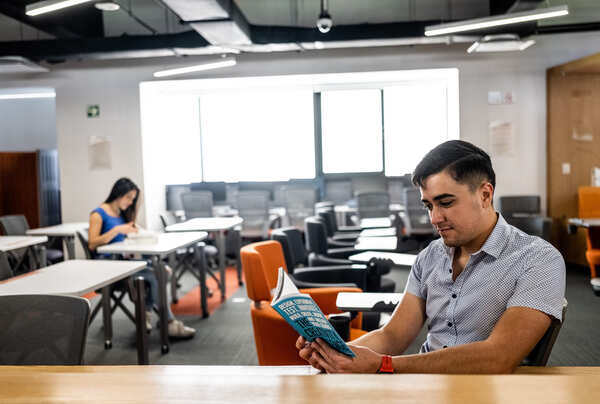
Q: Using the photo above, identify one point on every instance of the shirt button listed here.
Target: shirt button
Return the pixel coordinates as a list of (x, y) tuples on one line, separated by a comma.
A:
[(450, 270), (449, 324), (445, 346), (454, 295)]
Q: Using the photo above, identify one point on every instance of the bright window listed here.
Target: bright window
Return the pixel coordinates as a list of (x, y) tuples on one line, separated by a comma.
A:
[(257, 135), (351, 131)]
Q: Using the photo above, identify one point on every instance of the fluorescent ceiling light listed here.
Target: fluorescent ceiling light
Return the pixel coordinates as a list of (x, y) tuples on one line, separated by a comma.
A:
[(496, 21), (500, 43), (47, 6), (225, 62), (26, 95)]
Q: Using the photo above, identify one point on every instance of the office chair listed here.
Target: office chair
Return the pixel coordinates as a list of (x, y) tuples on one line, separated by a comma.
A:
[(335, 237), (5, 269), (253, 207), (415, 217), (523, 212), (338, 191), (541, 352), (197, 204), (373, 204), (43, 329), (274, 338), (17, 225), (589, 207), (299, 204)]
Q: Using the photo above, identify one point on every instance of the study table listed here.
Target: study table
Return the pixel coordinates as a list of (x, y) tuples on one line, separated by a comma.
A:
[(399, 259), (164, 245), (296, 384), (11, 243), (77, 278), (218, 225), (65, 231)]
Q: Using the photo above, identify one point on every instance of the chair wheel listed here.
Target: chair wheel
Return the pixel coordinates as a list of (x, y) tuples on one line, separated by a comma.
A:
[(164, 349), (175, 301), (107, 344)]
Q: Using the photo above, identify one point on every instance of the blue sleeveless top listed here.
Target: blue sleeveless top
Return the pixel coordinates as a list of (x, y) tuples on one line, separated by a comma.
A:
[(108, 222)]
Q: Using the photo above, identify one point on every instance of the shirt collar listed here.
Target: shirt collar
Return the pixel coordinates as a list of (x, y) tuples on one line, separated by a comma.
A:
[(495, 242)]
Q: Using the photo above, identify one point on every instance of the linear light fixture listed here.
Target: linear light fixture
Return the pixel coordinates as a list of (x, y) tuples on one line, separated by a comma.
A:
[(496, 21), (26, 95), (224, 62), (47, 6)]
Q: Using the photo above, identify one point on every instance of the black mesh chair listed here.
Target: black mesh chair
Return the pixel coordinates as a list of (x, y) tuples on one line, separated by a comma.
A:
[(197, 204), (541, 352), (43, 329), (373, 204), (523, 212), (5, 269), (338, 191), (17, 225), (336, 238), (299, 204), (253, 207)]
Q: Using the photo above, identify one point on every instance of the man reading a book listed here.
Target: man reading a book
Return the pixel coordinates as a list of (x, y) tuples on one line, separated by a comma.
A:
[(487, 291)]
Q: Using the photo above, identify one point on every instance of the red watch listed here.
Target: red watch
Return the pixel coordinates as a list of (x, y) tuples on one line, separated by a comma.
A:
[(386, 365)]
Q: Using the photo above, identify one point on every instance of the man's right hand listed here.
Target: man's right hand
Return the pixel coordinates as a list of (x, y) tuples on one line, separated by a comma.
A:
[(307, 353)]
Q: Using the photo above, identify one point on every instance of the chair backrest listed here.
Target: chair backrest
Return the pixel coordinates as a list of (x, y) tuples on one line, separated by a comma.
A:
[(5, 269), (253, 207), (167, 219), (328, 218), (416, 212), (373, 204), (43, 329), (541, 352), (589, 202), (534, 225), (288, 254), (300, 204), (13, 225), (338, 191), (519, 205), (396, 191), (260, 263), (82, 235), (292, 244), (316, 235), (324, 205), (197, 204)]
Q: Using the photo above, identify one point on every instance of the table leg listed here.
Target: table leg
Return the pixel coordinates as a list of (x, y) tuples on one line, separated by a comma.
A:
[(42, 257), (221, 247), (201, 259), (159, 272), (106, 317), (70, 243), (173, 265), (140, 321), (238, 258)]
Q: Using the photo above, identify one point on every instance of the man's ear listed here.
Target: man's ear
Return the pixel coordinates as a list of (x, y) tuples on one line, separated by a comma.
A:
[(487, 194)]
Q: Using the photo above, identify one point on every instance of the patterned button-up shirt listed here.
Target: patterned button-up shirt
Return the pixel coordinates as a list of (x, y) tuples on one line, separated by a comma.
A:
[(511, 269)]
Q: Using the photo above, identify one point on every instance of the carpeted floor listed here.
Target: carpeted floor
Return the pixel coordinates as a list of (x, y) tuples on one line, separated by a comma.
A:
[(226, 338)]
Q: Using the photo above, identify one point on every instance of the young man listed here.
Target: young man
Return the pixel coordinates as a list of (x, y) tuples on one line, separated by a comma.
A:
[(487, 290)]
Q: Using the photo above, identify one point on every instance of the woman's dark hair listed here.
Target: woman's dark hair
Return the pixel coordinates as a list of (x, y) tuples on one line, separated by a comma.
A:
[(119, 189), (465, 162)]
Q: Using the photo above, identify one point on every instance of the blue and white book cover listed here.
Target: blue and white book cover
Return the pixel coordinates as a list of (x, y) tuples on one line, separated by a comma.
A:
[(303, 314)]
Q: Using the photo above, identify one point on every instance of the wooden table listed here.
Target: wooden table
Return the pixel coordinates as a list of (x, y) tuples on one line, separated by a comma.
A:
[(65, 231), (166, 244), (216, 384), (11, 243), (218, 225), (77, 278)]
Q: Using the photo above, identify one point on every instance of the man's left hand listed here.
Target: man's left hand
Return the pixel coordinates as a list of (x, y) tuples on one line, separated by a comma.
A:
[(365, 361)]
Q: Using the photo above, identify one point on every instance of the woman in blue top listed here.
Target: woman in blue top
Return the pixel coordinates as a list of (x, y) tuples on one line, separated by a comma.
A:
[(110, 223)]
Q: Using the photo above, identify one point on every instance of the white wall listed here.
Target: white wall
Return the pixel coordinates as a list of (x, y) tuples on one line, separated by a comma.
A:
[(115, 87), (27, 124)]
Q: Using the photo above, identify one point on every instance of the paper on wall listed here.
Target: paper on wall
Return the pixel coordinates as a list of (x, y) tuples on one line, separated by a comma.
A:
[(502, 141), (99, 153)]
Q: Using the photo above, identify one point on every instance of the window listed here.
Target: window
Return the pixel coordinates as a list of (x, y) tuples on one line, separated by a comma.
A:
[(351, 131), (415, 121), (257, 135)]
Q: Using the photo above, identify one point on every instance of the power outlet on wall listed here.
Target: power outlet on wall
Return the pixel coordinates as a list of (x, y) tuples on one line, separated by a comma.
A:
[(566, 168)]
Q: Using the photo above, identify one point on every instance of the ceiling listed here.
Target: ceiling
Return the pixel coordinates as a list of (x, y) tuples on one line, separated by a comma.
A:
[(143, 28)]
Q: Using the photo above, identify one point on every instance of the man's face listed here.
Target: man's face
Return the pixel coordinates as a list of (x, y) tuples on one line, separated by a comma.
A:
[(455, 211)]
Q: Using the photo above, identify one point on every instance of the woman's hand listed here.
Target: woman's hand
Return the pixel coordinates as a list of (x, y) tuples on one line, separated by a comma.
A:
[(126, 228)]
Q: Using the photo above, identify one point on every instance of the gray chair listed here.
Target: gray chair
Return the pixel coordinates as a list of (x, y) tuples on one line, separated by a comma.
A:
[(43, 329), (253, 207), (541, 352), (17, 225), (338, 191), (373, 204), (5, 269), (299, 204), (415, 217), (523, 212), (197, 204), (396, 191)]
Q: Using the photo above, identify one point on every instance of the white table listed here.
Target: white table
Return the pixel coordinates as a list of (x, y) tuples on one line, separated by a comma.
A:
[(11, 243), (378, 302), (218, 225), (167, 243), (66, 231), (375, 222), (397, 258), (376, 243), (78, 277), (379, 232)]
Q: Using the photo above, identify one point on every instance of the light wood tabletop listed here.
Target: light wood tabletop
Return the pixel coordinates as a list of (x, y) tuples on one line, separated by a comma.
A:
[(218, 384)]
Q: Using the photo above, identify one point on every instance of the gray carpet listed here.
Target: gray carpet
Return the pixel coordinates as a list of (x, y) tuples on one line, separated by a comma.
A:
[(226, 338)]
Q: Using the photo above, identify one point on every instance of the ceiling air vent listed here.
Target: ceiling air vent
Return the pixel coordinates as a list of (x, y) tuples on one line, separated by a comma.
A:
[(500, 43), (18, 64)]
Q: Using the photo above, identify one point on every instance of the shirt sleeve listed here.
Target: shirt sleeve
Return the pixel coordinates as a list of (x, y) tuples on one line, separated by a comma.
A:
[(542, 285), (413, 285)]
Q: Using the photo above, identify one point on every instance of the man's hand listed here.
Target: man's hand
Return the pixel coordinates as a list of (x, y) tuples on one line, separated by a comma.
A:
[(331, 361)]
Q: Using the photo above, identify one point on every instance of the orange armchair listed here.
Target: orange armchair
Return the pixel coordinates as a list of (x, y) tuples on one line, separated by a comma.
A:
[(589, 207), (276, 340)]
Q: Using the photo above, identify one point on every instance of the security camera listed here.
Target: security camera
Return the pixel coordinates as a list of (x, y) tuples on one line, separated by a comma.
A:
[(324, 22)]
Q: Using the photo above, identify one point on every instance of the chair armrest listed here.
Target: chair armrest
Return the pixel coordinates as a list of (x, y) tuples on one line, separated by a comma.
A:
[(316, 285), (341, 252), (339, 244), (356, 276), (319, 260), (348, 237), (349, 229)]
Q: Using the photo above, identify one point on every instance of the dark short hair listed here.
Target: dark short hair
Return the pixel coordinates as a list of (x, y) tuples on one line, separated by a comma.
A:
[(465, 162)]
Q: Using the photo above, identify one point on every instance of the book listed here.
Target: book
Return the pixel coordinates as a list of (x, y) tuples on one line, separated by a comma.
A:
[(302, 313), (143, 236)]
